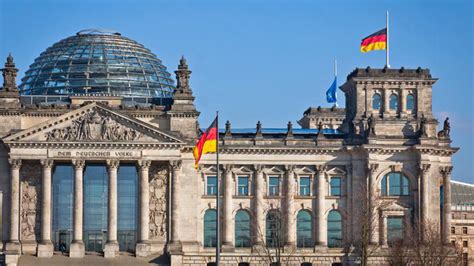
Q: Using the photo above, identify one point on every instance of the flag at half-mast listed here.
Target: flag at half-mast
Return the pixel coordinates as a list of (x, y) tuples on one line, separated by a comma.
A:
[(207, 143), (375, 41)]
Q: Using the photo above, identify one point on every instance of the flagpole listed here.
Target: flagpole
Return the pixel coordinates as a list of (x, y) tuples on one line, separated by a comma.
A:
[(387, 51), (218, 246)]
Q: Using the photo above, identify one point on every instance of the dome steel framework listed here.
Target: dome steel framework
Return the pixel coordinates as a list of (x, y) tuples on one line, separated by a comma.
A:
[(98, 62)]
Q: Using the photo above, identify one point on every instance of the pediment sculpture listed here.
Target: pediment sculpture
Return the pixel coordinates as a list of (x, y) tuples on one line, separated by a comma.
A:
[(96, 127)]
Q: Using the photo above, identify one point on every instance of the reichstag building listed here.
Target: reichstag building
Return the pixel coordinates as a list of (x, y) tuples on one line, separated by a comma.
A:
[(97, 157)]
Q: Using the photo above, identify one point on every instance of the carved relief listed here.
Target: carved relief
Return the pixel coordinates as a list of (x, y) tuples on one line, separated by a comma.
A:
[(30, 210), (158, 202), (93, 126)]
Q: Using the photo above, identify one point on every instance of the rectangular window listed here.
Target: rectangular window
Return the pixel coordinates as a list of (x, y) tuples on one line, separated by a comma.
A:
[(305, 186), (335, 186), (394, 229), (274, 186), (243, 186), (211, 186), (464, 230)]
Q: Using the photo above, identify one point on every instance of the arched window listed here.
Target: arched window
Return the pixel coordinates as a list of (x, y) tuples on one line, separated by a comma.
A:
[(210, 239), (395, 184), (274, 233), (334, 229), (242, 229), (393, 105), (304, 229), (376, 101), (410, 102)]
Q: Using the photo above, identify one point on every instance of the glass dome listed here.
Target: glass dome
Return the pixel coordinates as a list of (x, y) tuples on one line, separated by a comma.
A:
[(97, 61)]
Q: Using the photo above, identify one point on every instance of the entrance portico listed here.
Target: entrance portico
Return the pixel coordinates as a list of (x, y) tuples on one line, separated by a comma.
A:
[(96, 155)]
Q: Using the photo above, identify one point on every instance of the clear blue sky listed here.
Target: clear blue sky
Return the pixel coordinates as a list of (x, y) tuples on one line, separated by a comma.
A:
[(270, 60)]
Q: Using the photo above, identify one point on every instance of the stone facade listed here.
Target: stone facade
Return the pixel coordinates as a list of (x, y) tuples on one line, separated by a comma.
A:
[(369, 141)]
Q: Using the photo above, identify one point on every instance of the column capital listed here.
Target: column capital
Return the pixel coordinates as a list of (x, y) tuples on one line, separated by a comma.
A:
[(445, 170), (424, 168), (321, 169), (47, 163), (228, 168), (176, 165), (113, 164), (372, 168), (258, 168), (144, 164), (15, 163), (79, 163), (290, 169)]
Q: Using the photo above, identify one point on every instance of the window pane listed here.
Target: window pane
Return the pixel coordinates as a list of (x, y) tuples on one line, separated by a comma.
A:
[(335, 186), (376, 101), (210, 224), (242, 229), (305, 186), (274, 186), (394, 229), (211, 185), (243, 186), (304, 229), (334, 229), (393, 102)]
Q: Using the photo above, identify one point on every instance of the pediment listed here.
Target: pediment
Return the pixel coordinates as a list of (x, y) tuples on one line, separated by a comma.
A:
[(91, 124), (336, 171)]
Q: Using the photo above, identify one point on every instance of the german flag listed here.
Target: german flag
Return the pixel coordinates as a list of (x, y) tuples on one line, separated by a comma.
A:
[(375, 41), (207, 143)]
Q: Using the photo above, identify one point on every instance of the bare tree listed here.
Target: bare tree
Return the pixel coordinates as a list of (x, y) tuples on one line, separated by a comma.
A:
[(423, 245)]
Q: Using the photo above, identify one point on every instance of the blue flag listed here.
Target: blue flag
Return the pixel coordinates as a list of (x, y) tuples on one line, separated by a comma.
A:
[(331, 92)]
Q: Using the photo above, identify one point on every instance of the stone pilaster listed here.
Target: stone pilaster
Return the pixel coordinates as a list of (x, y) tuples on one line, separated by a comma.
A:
[(13, 247), (371, 209), (112, 247), (45, 247), (175, 246), (425, 192), (142, 248), (289, 202), (446, 220), (259, 223), (321, 227), (76, 249), (227, 243)]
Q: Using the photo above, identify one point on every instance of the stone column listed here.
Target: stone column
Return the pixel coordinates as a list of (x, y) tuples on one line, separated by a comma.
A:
[(425, 193), (112, 247), (142, 248), (175, 243), (289, 219), (371, 208), (259, 222), (76, 249), (446, 173), (349, 195), (321, 229), (45, 247), (227, 243), (13, 246)]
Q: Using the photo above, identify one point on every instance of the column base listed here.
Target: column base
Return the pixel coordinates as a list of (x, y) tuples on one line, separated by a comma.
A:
[(111, 249), (13, 248), (227, 247), (142, 249), (77, 250), (45, 249), (175, 248)]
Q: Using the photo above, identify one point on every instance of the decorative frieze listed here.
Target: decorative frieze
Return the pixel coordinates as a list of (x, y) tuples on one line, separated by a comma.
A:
[(158, 202), (30, 207), (94, 126)]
